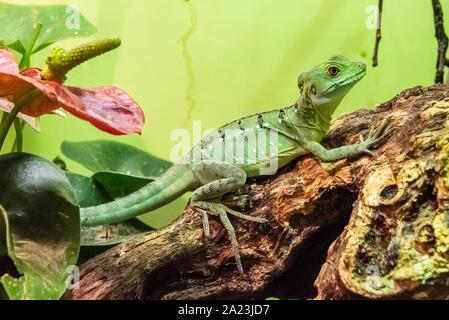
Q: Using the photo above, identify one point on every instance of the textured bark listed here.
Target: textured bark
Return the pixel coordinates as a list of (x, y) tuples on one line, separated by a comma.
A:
[(388, 215)]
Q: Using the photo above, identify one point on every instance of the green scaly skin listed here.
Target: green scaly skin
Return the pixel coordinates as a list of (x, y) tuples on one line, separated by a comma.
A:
[(299, 128)]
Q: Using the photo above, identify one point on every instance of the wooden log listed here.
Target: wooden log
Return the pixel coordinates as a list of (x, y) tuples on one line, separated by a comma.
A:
[(387, 213)]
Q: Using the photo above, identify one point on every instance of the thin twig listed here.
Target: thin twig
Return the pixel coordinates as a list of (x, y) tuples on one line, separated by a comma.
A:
[(442, 38), (378, 34)]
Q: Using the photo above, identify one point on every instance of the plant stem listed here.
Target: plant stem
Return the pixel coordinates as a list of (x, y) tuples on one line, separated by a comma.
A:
[(6, 125), (18, 142), (25, 62), (26, 58), (5, 114)]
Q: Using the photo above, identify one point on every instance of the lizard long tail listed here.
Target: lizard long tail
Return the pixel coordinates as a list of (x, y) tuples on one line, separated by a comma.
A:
[(171, 185)]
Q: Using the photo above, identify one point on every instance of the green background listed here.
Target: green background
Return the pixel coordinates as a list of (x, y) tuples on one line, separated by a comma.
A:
[(245, 57)]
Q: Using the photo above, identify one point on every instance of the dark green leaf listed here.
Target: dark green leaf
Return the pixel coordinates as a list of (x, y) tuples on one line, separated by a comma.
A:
[(110, 156), (87, 192), (42, 47), (18, 46), (59, 22), (42, 226), (119, 185), (113, 234)]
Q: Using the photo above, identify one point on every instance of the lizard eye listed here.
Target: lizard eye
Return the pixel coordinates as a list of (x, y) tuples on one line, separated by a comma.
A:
[(333, 71)]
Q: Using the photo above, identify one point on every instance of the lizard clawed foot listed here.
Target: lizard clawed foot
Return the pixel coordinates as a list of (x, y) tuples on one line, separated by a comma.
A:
[(375, 135), (220, 210)]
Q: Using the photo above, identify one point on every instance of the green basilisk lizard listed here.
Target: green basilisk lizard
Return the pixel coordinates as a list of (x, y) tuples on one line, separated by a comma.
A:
[(211, 169)]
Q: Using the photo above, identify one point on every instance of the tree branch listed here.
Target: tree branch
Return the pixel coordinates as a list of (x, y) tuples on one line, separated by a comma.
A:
[(395, 245), (442, 39), (378, 35)]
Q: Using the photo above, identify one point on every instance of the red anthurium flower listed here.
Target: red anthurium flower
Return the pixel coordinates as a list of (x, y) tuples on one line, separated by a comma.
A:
[(108, 108)]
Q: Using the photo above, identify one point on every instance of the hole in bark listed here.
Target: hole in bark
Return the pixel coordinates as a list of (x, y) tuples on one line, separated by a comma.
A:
[(295, 220), (426, 239), (380, 247), (377, 251), (155, 285), (389, 192), (297, 282), (426, 198)]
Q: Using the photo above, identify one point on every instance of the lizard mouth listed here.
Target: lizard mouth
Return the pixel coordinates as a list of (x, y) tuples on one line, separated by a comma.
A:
[(352, 79)]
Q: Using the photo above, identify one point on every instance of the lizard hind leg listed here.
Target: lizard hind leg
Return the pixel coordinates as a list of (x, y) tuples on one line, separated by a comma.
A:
[(217, 180)]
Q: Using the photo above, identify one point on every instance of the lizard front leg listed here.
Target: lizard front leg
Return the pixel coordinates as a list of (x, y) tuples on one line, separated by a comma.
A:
[(345, 152), (217, 180)]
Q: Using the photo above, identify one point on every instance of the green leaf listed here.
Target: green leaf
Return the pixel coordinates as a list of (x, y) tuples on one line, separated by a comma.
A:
[(96, 240), (113, 234), (42, 47), (90, 193), (41, 226), (119, 168), (17, 46), (119, 185), (87, 192), (59, 22), (111, 156)]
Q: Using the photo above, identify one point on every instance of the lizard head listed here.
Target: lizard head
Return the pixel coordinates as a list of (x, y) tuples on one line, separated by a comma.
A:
[(328, 83)]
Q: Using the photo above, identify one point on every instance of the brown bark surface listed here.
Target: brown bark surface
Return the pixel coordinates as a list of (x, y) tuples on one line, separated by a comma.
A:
[(371, 227)]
